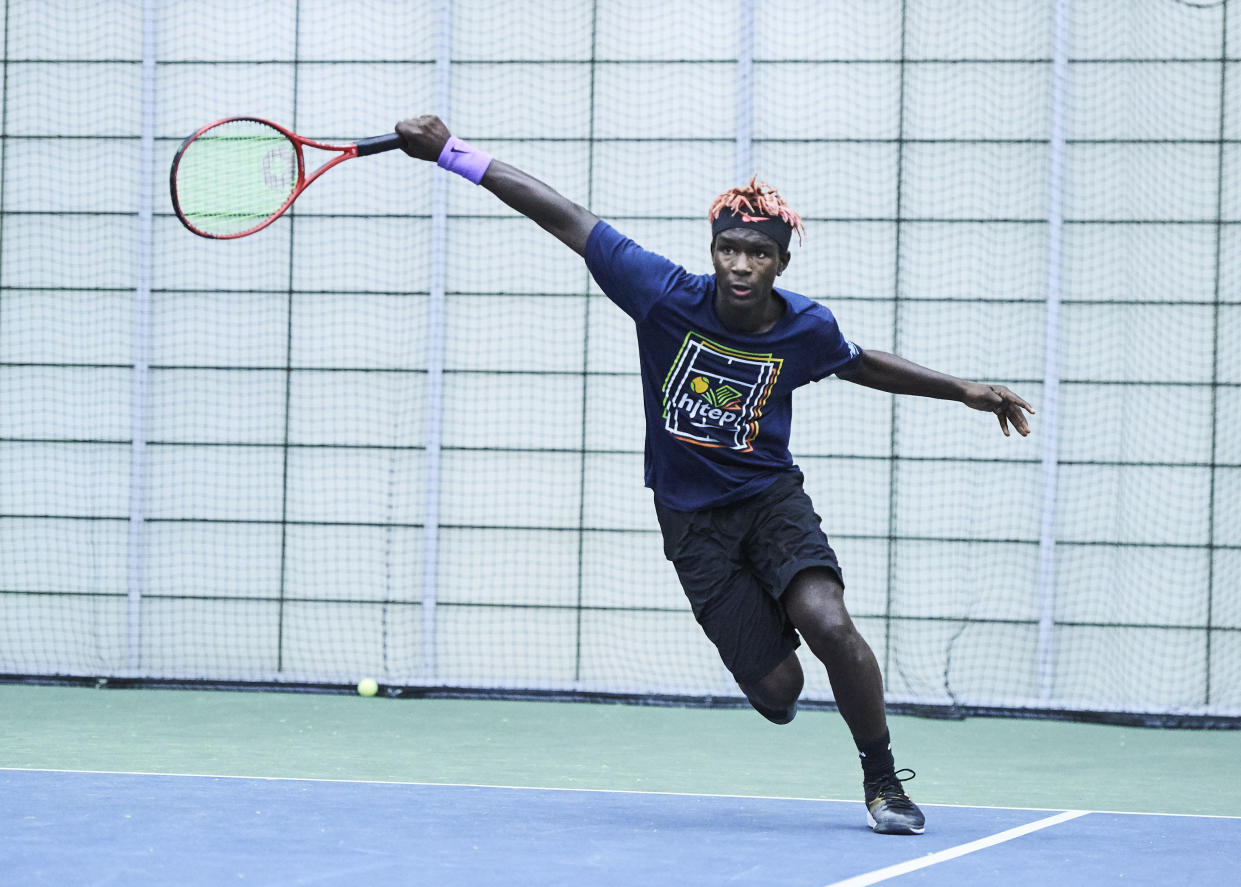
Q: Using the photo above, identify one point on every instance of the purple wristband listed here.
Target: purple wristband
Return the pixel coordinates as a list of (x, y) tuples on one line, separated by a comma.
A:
[(464, 159)]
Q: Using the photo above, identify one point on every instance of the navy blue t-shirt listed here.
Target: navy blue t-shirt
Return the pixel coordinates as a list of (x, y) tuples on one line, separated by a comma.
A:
[(718, 403)]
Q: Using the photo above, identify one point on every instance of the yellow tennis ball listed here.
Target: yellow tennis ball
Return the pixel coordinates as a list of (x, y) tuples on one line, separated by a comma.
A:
[(367, 687), (699, 385)]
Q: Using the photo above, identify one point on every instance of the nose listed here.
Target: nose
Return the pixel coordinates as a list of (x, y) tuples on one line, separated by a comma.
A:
[(740, 264)]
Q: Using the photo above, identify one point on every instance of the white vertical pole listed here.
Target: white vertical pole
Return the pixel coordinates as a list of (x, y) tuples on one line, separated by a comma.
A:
[(744, 155), (435, 349), (1049, 409), (135, 572), (743, 149)]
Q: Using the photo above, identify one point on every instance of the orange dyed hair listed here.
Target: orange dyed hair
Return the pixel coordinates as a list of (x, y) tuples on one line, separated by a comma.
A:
[(754, 202)]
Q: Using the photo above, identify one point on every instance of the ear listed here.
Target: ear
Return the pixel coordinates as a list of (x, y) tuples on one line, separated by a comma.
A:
[(785, 258)]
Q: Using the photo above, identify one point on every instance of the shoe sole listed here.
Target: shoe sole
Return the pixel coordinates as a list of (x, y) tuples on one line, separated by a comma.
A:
[(907, 830)]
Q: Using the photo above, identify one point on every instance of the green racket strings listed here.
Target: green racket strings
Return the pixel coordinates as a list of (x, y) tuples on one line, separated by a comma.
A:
[(234, 176)]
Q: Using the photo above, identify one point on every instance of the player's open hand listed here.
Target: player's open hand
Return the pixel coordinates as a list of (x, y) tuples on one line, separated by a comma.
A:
[(1000, 400), (423, 137)]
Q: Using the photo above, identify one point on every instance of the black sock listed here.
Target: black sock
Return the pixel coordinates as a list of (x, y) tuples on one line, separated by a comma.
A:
[(876, 756)]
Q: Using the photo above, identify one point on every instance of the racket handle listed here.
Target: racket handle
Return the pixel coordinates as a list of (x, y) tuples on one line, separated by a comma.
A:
[(378, 144)]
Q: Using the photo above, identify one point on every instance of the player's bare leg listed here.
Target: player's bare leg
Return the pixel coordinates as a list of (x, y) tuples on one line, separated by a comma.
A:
[(814, 601), (775, 695)]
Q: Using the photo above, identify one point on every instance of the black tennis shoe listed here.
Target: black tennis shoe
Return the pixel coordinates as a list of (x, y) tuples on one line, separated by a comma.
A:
[(889, 810)]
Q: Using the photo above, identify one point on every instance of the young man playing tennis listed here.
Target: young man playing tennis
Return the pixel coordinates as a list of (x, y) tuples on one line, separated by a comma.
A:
[(720, 357)]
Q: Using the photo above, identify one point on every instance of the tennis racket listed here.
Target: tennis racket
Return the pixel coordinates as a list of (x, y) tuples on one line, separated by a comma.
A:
[(238, 175)]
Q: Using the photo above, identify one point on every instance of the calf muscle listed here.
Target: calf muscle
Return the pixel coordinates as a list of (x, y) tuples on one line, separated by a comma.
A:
[(814, 601)]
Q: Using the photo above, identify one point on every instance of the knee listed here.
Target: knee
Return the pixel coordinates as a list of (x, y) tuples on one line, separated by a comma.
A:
[(816, 605), (779, 716), (835, 633), (777, 710), (775, 695)]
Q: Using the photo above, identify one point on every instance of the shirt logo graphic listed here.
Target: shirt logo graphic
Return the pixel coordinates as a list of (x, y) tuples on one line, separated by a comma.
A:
[(714, 395)]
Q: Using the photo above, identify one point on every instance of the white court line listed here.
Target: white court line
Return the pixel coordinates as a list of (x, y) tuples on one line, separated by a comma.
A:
[(912, 865), (582, 789)]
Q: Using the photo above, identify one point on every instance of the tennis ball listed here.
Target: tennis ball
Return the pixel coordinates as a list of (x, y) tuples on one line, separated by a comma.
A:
[(367, 687)]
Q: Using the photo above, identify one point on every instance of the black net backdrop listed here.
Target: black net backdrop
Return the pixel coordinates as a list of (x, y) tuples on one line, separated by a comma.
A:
[(398, 434)]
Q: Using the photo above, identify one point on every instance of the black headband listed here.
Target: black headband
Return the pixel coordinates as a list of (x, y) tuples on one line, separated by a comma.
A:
[(773, 226)]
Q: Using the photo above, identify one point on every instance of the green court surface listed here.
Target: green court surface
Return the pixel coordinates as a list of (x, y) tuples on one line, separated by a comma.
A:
[(978, 761)]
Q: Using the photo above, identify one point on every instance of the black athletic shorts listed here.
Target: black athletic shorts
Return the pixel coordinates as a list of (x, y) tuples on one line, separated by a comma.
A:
[(735, 561)]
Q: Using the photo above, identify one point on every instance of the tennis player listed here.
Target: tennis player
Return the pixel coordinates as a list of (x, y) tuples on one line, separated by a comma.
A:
[(721, 355)]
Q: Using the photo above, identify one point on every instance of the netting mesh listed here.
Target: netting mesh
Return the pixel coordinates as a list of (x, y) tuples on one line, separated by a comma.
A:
[(399, 432)]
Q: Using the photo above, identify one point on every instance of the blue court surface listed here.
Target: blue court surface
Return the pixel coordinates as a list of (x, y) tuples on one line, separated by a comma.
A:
[(86, 828)]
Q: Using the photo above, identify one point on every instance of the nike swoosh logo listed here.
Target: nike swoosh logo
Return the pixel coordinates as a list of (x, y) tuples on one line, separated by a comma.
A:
[(459, 151)]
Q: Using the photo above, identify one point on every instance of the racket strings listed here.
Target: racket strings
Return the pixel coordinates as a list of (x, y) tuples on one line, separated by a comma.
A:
[(234, 176)]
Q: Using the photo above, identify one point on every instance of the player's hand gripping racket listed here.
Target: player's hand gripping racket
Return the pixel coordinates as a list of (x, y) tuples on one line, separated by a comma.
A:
[(238, 175)]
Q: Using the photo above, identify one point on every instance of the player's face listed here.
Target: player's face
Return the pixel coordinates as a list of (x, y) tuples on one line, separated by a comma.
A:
[(747, 264)]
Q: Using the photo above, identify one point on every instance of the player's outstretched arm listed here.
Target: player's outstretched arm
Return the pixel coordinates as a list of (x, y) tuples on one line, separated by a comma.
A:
[(888, 372), (425, 137)]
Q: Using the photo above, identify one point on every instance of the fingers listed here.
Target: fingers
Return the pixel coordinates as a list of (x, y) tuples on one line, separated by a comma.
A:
[(1004, 392), (1009, 409), (423, 137), (1016, 418)]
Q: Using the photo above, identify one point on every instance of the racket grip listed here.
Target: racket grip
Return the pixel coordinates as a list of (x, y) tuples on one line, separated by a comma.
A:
[(378, 144)]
